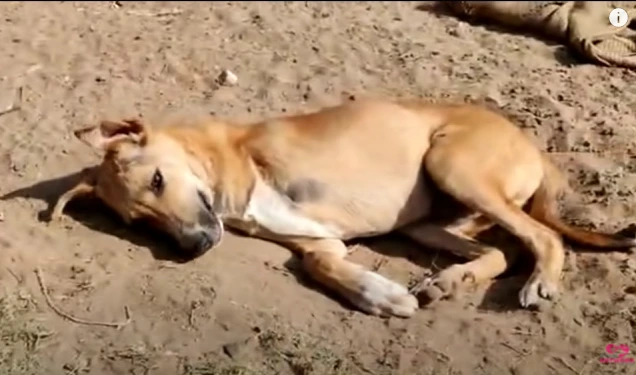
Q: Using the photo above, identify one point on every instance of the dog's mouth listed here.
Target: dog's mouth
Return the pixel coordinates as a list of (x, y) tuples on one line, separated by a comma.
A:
[(198, 239), (201, 241), (203, 236), (191, 241), (185, 244)]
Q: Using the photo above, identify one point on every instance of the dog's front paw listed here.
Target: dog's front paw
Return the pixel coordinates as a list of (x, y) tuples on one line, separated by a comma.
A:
[(381, 296), (538, 287), (443, 285), (50, 216)]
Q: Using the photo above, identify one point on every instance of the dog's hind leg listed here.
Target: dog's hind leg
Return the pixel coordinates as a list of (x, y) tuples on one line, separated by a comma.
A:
[(324, 260), (497, 181), (484, 262), (469, 226)]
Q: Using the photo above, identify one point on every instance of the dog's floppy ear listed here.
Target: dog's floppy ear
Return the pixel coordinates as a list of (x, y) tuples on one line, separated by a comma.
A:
[(108, 134), (86, 186)]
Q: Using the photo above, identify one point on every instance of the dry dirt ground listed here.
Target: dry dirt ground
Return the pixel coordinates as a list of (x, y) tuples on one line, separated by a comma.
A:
[(244, 308)]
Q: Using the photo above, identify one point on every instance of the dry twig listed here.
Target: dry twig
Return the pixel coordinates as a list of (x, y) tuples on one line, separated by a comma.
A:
[(567, 365), (519, 352), (15, 106), (16, 277), (161, 13), (58, 311), (379, 263)]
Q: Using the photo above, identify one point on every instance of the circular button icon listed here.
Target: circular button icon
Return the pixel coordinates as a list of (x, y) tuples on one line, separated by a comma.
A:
[(618, 17)]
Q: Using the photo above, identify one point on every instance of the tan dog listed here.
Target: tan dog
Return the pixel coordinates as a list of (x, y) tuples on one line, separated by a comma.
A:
[(356, 170)]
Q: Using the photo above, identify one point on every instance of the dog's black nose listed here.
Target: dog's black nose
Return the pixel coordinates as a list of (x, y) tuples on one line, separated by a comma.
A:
[(198, 243), (202, 243)]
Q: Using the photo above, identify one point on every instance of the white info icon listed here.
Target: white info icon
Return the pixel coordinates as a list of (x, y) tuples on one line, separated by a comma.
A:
[(618, 17)]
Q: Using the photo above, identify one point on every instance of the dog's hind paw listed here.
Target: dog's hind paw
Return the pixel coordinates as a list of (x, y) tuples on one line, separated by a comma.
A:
[(383, 297), (443, 285)]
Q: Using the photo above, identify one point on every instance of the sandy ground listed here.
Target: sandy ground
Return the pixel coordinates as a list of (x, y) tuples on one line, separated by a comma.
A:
[(244, 308)]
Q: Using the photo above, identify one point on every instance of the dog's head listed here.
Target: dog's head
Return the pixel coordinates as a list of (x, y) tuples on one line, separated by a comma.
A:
[(149, 175)]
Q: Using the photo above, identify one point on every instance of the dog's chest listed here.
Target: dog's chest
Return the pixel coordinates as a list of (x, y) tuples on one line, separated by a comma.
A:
[(270, 210)]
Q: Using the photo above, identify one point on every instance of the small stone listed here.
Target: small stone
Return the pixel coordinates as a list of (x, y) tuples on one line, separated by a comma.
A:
[(578, 321), (1, 216), (227, 78), (496, 99), (233, 350)]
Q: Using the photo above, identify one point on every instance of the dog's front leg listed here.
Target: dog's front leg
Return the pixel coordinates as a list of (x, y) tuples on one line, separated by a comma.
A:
[(324, 260)]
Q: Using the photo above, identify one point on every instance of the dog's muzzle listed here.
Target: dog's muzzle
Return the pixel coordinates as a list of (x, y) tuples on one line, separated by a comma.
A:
[(206, 236)]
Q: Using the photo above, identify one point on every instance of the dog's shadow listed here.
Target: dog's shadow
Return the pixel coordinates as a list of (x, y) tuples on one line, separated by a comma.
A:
[(92, 213)]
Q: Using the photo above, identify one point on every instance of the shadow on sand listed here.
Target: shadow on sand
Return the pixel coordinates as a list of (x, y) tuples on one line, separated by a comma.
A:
[(93, 214)]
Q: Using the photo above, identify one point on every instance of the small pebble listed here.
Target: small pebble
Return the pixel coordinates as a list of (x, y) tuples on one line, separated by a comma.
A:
[(233, 350), (227, 78)]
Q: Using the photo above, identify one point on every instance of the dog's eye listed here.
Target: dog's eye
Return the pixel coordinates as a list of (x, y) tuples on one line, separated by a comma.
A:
[(205, 201), (156, 185)]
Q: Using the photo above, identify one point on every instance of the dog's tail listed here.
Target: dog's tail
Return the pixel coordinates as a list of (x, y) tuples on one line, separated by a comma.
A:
[(544, 208)]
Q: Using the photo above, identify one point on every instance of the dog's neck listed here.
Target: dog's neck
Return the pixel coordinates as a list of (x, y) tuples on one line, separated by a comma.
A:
[(226, 165)]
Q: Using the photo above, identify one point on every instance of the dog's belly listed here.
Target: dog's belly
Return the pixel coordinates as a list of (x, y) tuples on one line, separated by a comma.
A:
[(344, 214), (376, 211)]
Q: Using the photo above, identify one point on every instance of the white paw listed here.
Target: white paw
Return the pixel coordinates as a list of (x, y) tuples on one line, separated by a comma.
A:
[(381, 296), (536, 289)]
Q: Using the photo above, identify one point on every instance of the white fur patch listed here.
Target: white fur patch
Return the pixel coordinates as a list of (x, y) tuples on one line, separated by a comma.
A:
[(273, 212), (383, 296)]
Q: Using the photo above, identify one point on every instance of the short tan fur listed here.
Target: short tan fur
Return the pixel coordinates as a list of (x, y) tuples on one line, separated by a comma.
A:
[(360, 169)]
